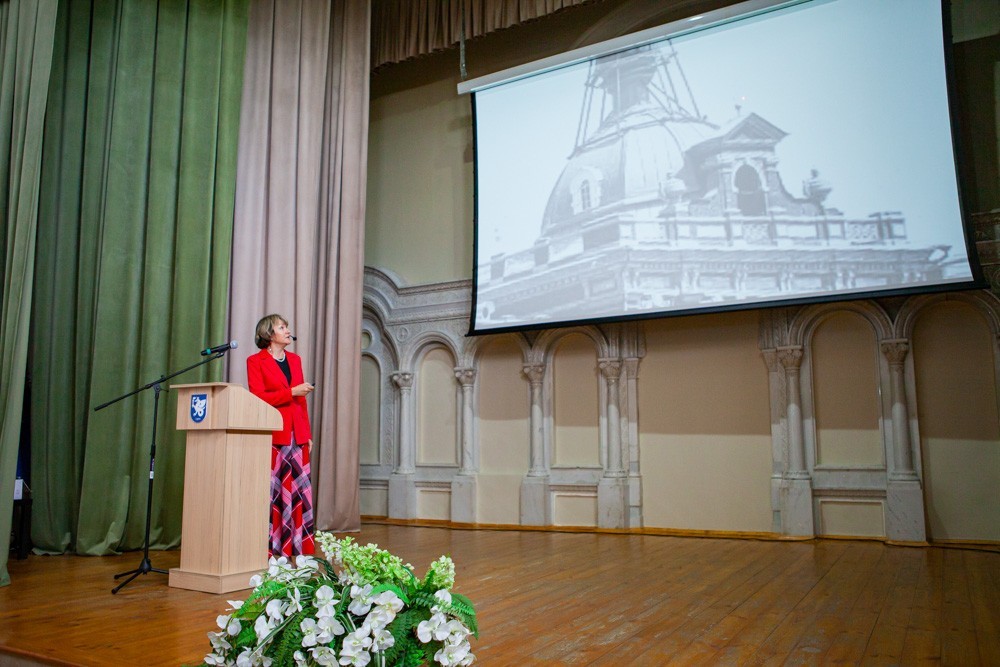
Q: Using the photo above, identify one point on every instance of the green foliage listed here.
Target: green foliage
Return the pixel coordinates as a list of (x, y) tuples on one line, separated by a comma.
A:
[(407, 650), (290, 642)]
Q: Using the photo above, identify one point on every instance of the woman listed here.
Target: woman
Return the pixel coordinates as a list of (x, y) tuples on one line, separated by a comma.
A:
[(275, 375)]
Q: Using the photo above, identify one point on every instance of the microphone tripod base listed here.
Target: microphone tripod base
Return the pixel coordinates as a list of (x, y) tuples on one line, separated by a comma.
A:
[(145, 567)]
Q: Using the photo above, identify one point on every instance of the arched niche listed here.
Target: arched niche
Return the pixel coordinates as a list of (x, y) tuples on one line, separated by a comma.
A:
[(437, 407), (575, 403), (845, 399)]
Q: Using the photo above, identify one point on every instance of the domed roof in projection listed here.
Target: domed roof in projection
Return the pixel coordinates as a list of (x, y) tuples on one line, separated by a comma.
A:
[(635, 152)]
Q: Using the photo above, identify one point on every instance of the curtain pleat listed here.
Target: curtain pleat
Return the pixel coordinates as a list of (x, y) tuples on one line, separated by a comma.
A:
[(403, 29), (26, 40), (298, 243), (133, 257)]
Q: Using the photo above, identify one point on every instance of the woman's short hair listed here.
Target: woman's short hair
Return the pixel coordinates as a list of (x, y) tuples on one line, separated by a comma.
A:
[(265, 329)]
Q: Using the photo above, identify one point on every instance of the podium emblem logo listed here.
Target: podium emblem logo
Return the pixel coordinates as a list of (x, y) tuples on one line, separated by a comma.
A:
[(199, 407)]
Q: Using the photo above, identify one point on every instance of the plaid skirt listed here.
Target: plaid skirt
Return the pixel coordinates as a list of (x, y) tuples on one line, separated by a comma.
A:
[(291, 502)]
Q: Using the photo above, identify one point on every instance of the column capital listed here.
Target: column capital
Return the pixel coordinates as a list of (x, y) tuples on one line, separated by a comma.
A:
[(895, 350), (465, 376), (534, 372), (611, 369), (790, 356), (402, 379)]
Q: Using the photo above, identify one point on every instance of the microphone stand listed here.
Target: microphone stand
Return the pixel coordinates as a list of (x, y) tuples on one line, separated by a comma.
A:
[(145, 567)]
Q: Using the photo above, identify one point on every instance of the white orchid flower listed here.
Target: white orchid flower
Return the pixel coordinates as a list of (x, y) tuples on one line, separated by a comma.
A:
[(355, 659), (262, 627), (235, 605), (382, 640), (330, 625), (389, 600), (361, 600), (452, 654), (444, 596), (310, 632), (354, 643), (276, 565), (230, 625), (275, 609), (256, 580), (304, 562), (294, 601), (434, 628), (218, 641), (215, 659), (324, 655), (378, 618), (325, 595), (300, 659), (246, 658), (457, 632)]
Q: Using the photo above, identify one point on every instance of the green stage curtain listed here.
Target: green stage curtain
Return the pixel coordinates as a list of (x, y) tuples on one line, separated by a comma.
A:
[(26, 31), (132, 269)]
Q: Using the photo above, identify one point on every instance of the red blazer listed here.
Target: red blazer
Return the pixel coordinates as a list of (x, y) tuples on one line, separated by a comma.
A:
[(268, 383)]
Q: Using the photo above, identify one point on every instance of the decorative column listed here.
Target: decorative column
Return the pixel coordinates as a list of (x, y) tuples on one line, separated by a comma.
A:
[(536, 504), (776, 395), (631, 445), (612, 490), (402, 489), (904, 496), (535, 373), (463, 485), (796, 488)]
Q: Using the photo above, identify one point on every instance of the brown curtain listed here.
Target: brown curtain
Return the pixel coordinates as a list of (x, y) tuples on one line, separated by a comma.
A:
[(298, 240), (404, 29)]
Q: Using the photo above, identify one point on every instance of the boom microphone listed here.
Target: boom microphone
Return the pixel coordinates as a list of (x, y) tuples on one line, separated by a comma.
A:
[(231, 345)]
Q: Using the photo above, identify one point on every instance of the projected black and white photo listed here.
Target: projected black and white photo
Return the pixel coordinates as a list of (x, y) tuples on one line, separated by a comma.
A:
[(802, 153)]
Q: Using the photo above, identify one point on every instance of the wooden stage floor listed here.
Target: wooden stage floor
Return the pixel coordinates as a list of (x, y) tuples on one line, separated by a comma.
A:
[(547, 598)]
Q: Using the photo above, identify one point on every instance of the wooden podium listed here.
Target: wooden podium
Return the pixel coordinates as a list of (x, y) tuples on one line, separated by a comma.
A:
[(227, 482)]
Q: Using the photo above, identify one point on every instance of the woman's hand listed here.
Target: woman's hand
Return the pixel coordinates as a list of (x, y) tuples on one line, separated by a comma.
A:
[(302, 389), (309, 446)]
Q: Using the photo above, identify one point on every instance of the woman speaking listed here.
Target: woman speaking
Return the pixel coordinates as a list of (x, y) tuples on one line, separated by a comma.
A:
[(275, 375)]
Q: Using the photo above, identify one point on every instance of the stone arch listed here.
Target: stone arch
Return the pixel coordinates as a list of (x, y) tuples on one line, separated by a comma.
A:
[(805, 322), (544, 346), (985, 303), (416, 348)]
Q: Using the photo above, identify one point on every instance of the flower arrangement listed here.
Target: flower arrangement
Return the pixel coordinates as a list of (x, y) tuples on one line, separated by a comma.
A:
[(361, 606)]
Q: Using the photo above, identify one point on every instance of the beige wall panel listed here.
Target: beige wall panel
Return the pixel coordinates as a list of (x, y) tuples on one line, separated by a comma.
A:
[(434, 504), (962, 489), (574, 509), (704, 425), (707, 482), (852, 518), (437, 410), (575, 411), (498, 499), (371, 388), (374, 502), (960, 437), (845, 392), (418, 220), (860, 448), (704, 375), (503, 410)]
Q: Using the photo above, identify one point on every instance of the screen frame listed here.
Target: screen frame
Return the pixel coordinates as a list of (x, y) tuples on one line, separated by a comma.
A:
[(687, 26)]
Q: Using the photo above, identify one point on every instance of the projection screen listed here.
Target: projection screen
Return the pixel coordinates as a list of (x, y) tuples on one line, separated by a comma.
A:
[(765, 154)]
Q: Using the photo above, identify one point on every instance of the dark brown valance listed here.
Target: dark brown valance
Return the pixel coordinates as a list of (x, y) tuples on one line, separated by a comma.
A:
[(403, 29)]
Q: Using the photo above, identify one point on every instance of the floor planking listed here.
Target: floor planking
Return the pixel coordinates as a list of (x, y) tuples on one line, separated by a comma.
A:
[(548, 598)]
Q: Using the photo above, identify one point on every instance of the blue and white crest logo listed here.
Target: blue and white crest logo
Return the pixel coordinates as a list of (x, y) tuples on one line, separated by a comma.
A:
[(199, 407)]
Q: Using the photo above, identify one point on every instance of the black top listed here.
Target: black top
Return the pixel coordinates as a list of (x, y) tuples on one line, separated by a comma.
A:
[(283, 365)]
